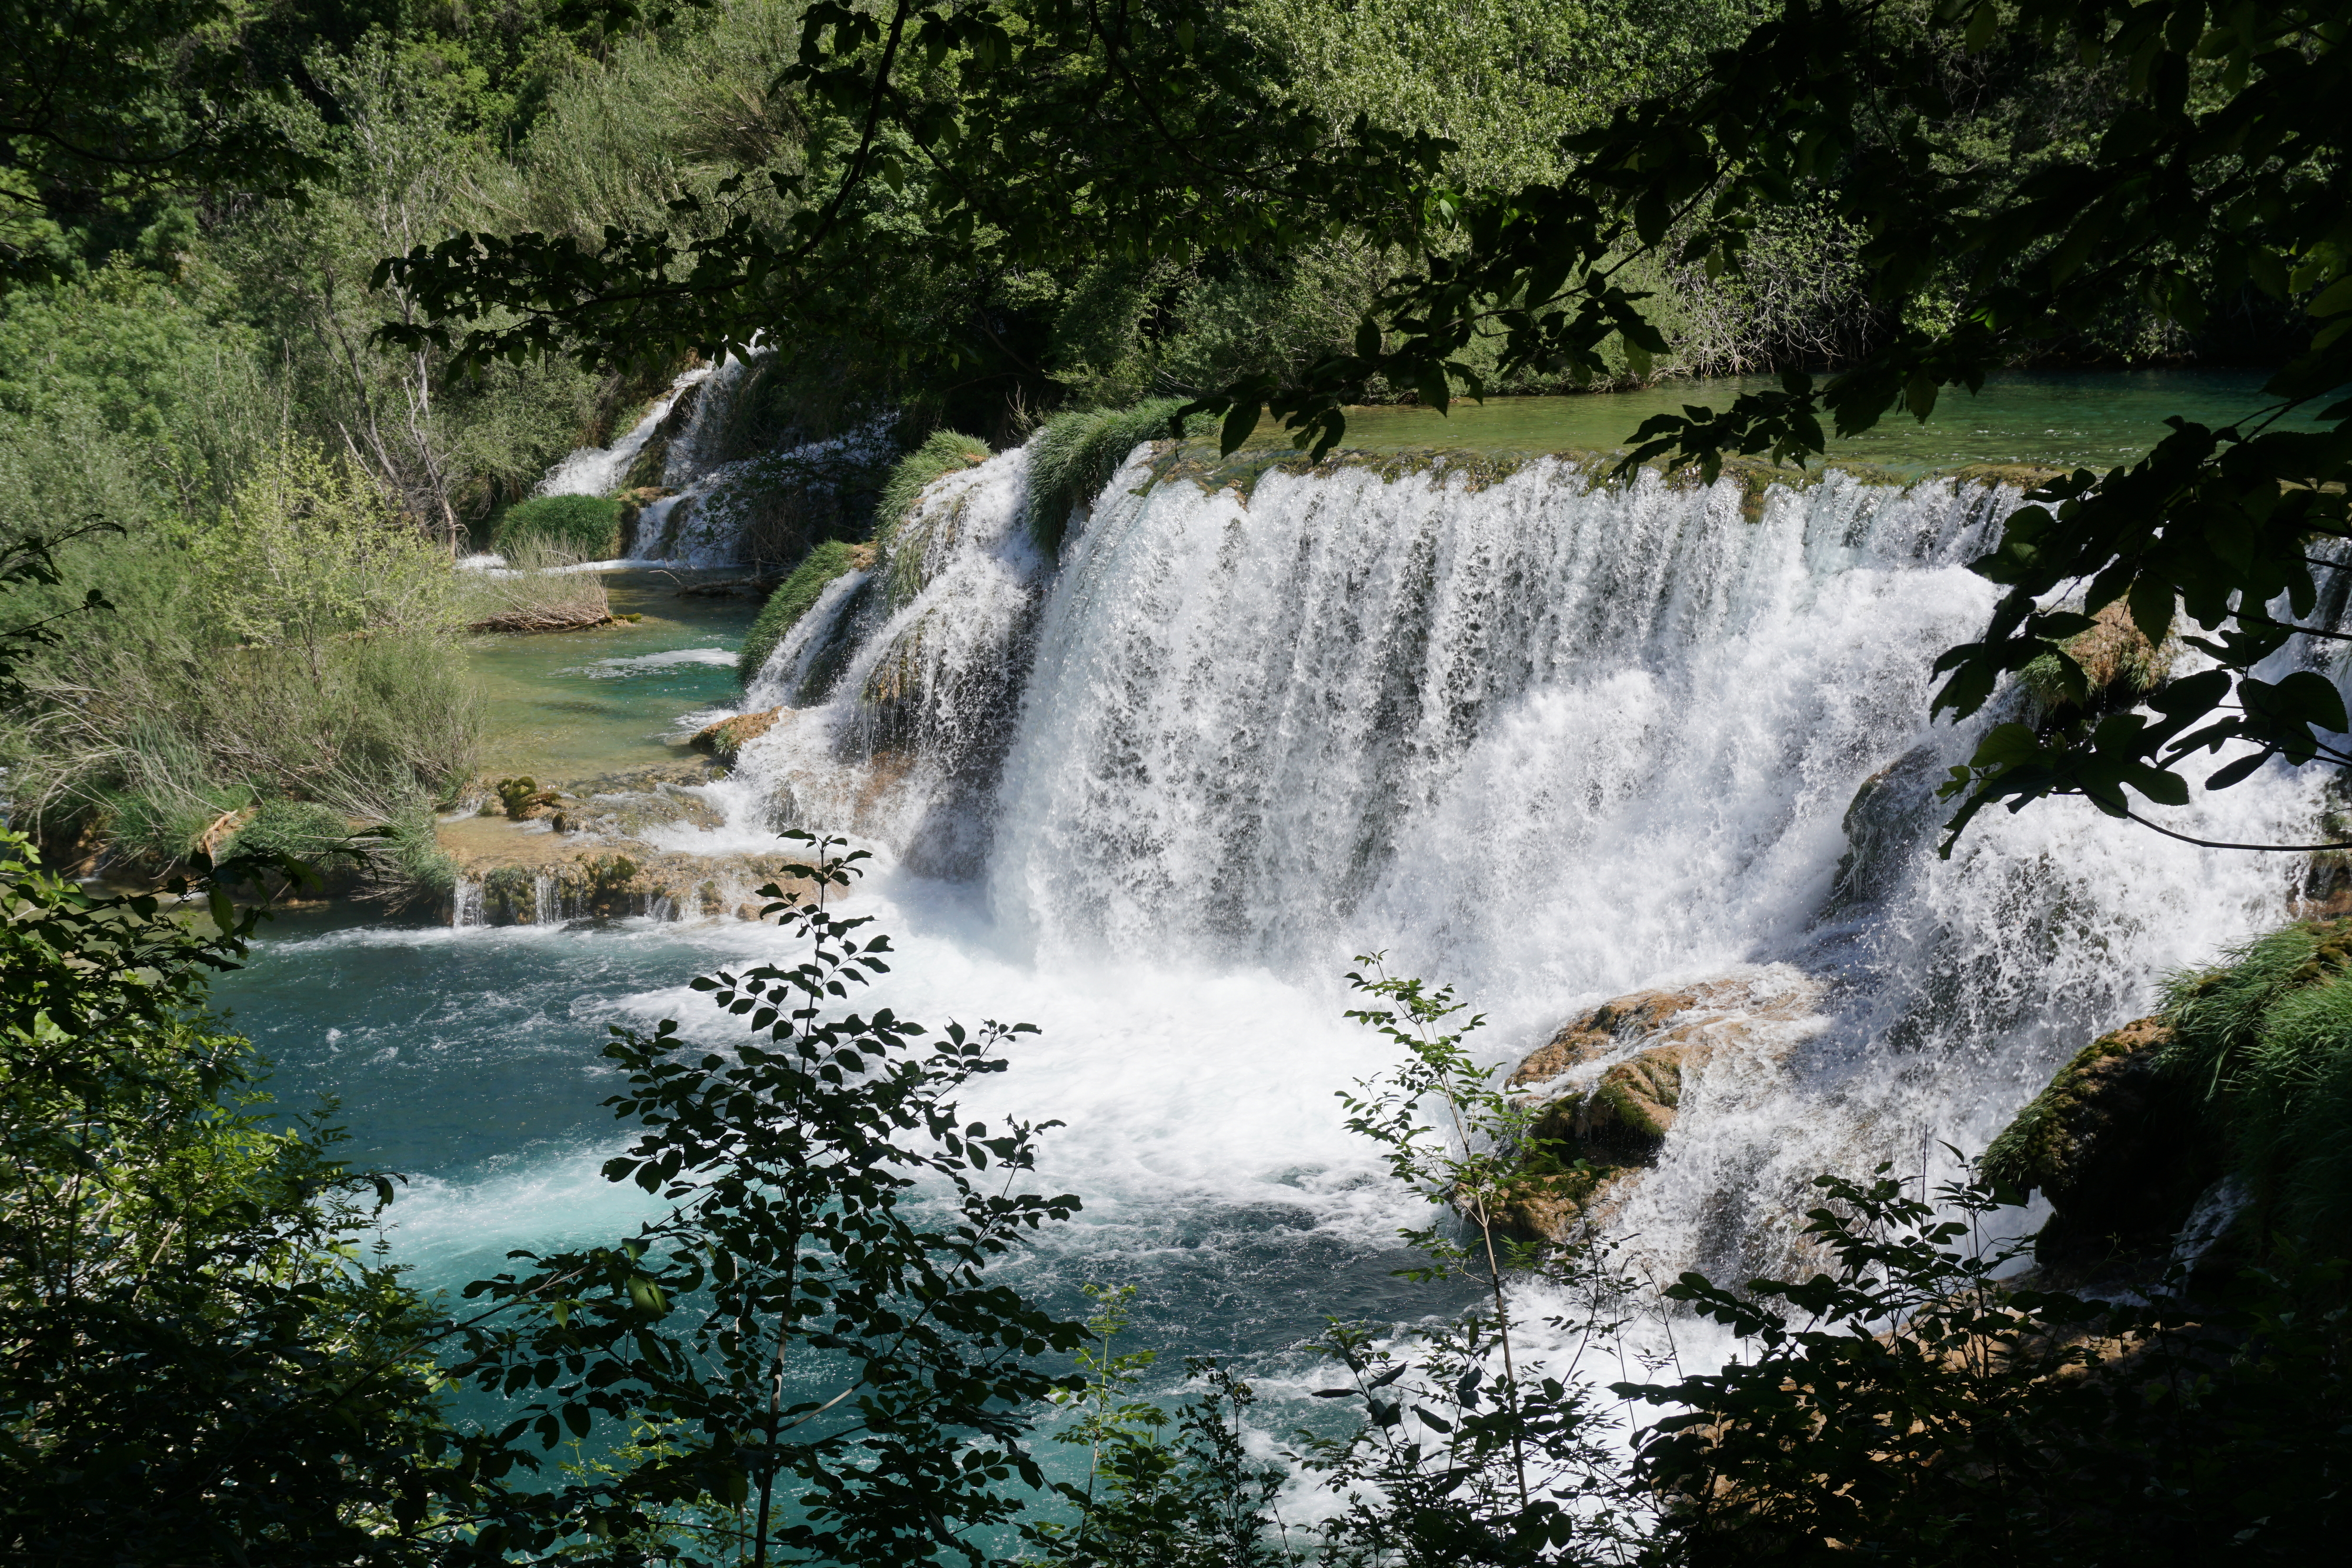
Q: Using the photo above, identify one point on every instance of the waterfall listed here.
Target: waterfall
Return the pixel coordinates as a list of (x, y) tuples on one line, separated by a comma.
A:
[(1548, 739), (598, 470)]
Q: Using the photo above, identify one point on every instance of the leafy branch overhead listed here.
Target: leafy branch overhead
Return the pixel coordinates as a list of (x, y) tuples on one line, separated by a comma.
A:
[(2221, 170), (1028, 135)]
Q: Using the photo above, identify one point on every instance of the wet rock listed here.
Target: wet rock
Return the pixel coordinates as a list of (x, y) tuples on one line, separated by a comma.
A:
[(2119, 1148), (633, 510), (1890, 811), (1590, 1036), (726, 739)]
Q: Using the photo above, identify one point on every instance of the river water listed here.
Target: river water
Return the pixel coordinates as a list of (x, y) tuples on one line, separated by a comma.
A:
[(1549, 741)]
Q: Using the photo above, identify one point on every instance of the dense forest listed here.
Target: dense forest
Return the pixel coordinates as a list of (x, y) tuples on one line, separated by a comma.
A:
[(300, 305)]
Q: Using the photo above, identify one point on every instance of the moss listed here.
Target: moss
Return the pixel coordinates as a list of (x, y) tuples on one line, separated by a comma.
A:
[(943, 453), (2117, 1147), (792, 598), (587, 525), (1074, 456)]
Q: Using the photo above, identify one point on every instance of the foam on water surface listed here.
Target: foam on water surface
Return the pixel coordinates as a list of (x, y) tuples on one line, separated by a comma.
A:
[(1548, 741)]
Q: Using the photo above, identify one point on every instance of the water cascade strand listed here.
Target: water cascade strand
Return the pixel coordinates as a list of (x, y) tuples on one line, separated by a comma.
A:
[(1549, 739)]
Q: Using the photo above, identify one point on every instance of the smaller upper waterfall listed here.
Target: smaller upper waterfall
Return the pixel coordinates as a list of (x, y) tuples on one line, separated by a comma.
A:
[(697, 502), (599, 470)]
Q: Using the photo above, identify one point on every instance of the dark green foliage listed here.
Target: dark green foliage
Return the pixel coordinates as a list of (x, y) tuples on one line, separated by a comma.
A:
[(790, 602), (200, 1362), (588, 525), (1074, 456), (1149, 1502), (807, 1343), (2264, 1042), (108, 108), (1907, 1407)]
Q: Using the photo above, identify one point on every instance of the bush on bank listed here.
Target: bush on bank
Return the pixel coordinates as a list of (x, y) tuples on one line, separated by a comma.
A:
[(589, 526)]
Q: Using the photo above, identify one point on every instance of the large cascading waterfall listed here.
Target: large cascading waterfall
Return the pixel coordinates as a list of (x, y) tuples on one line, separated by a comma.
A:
[(1549, 739)]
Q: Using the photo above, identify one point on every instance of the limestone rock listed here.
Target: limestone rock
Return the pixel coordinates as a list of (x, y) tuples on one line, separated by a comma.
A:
[(2118, 1149), (1609, 1086), (726, 739), (1590, 1036)]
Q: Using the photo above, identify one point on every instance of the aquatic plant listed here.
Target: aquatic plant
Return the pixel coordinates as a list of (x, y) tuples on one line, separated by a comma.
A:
[(2265, 1042), (942, 453), (1074, 456)]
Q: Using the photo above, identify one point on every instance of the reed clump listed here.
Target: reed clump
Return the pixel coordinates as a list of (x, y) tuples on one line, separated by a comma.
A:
[(540, 589), (299, 651)]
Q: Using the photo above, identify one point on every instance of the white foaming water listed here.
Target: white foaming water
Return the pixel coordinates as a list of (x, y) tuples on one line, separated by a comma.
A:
[(598, 470), (642, 664), (1548, 740)]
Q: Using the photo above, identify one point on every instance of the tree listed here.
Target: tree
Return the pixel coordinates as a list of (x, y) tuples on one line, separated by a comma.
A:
[(200, 1359), (103, 103), (1030, 133), (807, 1347)]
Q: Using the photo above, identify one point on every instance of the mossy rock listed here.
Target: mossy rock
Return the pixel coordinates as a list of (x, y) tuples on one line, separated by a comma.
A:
[(2116, 1143), (1552, 1201), (726, 739), (1624, 1117), (793, 598), (1882, 823)]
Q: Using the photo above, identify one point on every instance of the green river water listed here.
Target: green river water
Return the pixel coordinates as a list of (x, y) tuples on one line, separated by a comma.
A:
[(468, 1059)]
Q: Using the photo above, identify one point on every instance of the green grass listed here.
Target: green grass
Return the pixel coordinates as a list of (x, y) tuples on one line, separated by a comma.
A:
[(1075, 454), (2267, 1041), (944, 453), (588, 525), (790, 602)]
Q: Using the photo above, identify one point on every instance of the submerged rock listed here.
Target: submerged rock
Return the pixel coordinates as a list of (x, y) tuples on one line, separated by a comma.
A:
[(1609, 1087)]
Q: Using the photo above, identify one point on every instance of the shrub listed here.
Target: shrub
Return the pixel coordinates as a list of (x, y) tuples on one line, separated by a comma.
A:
[(1075, 454), (792, 600), (303, 829), (587, 525)]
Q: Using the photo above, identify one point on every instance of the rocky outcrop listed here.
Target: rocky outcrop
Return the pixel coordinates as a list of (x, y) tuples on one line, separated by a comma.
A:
[(612, 885), (2120, 1148), (1607, 1090), (726, 739), (1890, 811)]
